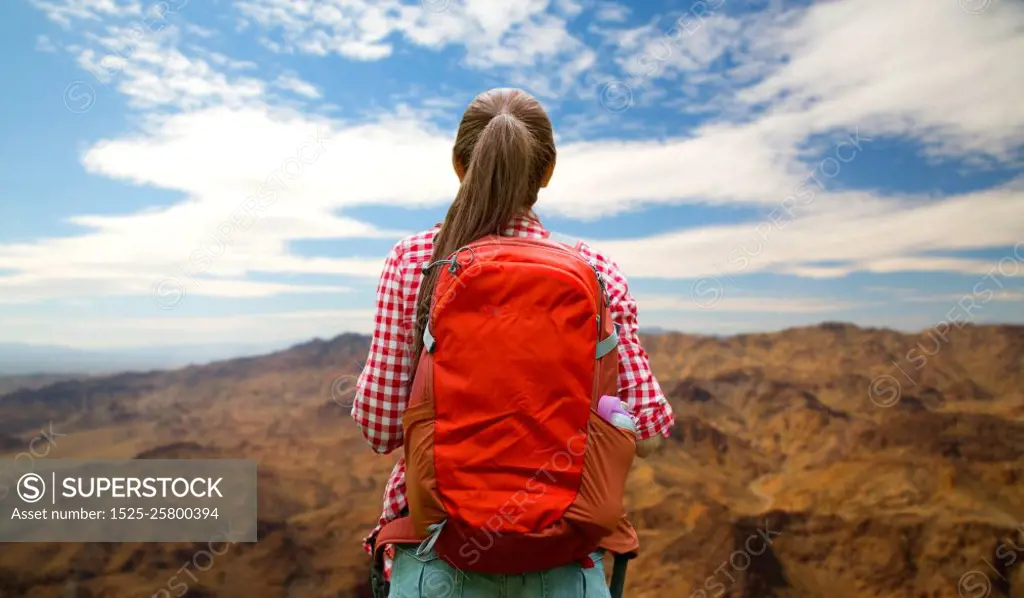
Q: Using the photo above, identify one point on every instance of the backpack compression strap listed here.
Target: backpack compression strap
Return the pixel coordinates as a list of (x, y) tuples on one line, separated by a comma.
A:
[(608, 344), (398, 531), (621, 561)]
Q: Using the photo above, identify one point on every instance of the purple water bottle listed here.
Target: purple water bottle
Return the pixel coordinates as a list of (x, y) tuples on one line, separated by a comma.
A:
[(612, 410)]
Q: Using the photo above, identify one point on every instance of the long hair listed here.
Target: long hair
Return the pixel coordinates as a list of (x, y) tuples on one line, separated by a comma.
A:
[(506, 145)]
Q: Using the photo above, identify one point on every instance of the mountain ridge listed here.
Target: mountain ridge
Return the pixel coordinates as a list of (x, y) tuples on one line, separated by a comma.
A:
[(774, 431)]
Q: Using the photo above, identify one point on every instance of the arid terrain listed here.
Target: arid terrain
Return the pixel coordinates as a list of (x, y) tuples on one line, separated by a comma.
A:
[(10, 384), (797, 468)]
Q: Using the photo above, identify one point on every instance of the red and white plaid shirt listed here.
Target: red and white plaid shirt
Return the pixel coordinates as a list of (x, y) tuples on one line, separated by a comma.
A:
[(382, 391)]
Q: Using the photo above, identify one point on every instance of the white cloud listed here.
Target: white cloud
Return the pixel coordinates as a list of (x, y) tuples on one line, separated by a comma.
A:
[(230, 63), (127, 332), (689, 44), (904, 68), (225, 227), (28, 288), (527, 38), (44, 44), (218, 159), (65, 12), (1009, 295), (612, 12), (706, 300), (893, 236), (150, 68), (899, 69), (716, 165), (212, 133), (297, 85)]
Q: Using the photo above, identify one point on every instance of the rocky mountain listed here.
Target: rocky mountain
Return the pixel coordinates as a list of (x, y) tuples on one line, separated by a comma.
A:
[(823, 462), (12, 383)]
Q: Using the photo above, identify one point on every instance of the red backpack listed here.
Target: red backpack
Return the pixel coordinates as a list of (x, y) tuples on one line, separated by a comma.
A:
[(509, 468)]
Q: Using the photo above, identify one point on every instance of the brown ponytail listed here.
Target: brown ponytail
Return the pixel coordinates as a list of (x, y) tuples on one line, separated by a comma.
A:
[(506, 145)]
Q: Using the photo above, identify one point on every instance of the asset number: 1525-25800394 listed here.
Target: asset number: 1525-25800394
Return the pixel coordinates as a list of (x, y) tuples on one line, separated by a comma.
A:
[(162, 513)]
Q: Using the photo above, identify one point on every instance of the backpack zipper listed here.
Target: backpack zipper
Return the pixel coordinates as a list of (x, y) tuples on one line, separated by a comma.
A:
[(454, 265), (604, 289)]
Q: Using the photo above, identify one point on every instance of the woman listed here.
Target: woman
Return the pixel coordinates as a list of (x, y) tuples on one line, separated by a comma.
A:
[(504, 154)]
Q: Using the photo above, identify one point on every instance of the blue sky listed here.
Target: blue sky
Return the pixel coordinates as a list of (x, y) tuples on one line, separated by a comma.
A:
[(752, 165)]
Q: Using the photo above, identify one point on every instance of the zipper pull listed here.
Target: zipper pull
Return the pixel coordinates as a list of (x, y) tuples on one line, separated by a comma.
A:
[(428, 267), (453, 261)]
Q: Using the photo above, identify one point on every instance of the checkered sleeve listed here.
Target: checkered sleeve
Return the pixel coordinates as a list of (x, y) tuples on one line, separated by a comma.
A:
[(382, 390), (637, 385)]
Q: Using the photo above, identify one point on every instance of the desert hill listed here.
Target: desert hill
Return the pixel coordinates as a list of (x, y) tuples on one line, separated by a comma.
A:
[(828, 461)]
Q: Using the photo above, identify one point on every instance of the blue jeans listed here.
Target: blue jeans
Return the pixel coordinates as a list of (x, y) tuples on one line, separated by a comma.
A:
[(428, 576)]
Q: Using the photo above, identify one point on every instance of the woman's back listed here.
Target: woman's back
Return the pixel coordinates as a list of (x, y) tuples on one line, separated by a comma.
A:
[(503, 155)]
